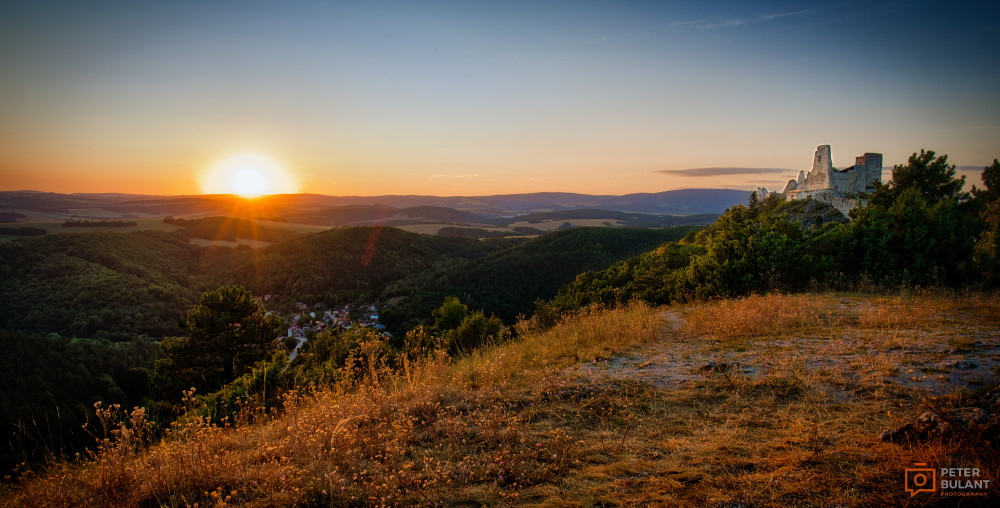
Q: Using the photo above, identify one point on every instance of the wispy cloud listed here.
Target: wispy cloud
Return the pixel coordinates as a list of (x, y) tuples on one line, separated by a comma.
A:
[(598, 40), (971, 168), (689, 22), (459, 176), (723, 171), (714, 23), (769, 17), (724, 24)]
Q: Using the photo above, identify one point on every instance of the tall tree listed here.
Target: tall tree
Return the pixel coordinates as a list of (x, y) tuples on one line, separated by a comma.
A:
[(986, 255), (227, 333), (991, 179), (932, 176)]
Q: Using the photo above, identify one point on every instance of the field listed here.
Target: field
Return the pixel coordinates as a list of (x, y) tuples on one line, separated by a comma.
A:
[(765, 401), (550, 225), (52, 227)]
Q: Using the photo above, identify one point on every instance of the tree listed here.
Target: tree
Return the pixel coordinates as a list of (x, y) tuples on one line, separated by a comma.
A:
[(932, 176), (911, 241), (746, 252), (474, 331), (991, 179), (228, 332), (986, 255), (450, 314)]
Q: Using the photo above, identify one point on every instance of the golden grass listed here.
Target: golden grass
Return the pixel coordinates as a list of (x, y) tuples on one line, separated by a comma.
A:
[(522, 424), (435, 431), (756, 316)]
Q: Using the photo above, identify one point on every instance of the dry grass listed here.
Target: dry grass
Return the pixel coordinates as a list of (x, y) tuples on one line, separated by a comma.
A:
[(756, 315), (554, 419), (436, 432)]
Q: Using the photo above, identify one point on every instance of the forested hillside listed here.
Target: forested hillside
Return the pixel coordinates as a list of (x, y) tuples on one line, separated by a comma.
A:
[(50, 385), (343, 265), (508, 282), (229, 229), (96, 284)]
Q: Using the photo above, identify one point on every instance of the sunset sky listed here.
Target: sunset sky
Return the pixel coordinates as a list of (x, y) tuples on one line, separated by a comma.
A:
[(487, 97)]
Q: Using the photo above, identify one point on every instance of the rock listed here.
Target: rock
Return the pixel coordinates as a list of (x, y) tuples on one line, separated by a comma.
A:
[(714, 367), (930, 422), (894, 435), (927, 424), (964, 421), (962, 364), (971, 418)]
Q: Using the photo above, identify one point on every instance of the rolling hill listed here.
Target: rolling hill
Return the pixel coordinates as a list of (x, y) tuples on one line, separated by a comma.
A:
[(509, 281)]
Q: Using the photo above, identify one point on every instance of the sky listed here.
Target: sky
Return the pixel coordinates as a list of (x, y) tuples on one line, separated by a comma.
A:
[(481, 97)]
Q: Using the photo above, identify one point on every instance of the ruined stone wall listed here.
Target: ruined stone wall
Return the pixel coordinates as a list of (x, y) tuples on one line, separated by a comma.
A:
[(851, 180), (836, 187), (829, 185), (831, 196)]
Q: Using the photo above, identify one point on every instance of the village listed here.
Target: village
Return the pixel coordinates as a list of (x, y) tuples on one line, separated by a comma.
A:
[(306, 323)]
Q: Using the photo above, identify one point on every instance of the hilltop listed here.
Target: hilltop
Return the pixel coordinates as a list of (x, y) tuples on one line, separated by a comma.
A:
[(762, 401)]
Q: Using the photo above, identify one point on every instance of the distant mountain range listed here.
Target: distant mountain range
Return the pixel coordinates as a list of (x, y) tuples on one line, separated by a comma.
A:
[(348, 209)]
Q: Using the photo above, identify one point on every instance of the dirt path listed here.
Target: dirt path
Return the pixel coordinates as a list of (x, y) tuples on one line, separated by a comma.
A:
[(926, 362)]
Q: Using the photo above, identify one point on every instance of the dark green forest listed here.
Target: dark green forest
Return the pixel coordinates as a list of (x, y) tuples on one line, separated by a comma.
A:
[(50, 385), (134, 319), (97, 284), (349, 264), (507, 283)]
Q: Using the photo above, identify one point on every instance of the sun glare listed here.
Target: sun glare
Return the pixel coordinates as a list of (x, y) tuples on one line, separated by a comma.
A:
[(249, 176)]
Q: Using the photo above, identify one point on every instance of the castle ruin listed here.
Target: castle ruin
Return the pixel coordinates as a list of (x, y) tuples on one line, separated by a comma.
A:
[(838, 187)]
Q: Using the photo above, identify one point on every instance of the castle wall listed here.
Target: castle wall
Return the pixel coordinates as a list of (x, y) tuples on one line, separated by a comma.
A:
[(831, 196), (829, 185), (851, 180)]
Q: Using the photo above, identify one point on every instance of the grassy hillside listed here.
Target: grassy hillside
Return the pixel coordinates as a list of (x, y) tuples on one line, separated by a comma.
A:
[(509, 282), (763, 401)]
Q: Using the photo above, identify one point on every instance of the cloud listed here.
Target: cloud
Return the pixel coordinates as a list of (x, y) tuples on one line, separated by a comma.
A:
[(689, 22), (971, 168), (460, 176), (598, 40), (769, 17), (724, 171), (713, 23), (724, 24)]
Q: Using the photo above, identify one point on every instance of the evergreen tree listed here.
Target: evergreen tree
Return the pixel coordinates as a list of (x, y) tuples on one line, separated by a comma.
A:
[(227, 333), (932, 176)]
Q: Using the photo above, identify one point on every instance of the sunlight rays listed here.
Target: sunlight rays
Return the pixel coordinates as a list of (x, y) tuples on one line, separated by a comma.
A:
[(248, 175)]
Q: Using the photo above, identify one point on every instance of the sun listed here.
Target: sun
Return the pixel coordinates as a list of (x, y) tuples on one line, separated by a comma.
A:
[(248, 175)]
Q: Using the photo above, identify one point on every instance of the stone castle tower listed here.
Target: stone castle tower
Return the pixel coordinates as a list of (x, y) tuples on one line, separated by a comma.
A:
[(842, 188)]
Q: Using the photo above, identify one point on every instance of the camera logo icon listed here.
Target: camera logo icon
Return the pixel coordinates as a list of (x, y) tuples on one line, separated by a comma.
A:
[(920, 479)]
